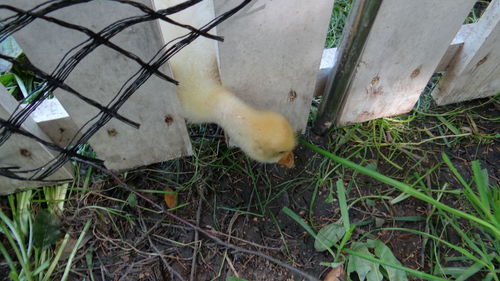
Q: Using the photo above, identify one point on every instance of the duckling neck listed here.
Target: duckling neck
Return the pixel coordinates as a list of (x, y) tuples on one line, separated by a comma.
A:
[(230, 111)]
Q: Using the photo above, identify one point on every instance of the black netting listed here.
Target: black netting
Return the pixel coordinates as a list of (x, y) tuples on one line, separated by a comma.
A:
[(90, 41)]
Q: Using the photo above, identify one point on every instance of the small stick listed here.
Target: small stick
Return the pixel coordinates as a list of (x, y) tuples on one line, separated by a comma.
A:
[(229, 236), (146, 234), (196, 240), (201, 230), (239, 249), (124, 185), (230, 263), (171, 269), (249, 242)]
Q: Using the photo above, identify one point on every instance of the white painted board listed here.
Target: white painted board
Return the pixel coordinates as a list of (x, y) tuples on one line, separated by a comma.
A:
[(272, 51), (405, 45), (475, 71), (101, 74), (24, 152)]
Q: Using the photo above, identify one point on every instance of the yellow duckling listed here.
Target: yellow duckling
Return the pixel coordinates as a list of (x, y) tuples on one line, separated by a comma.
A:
[(264, 136)]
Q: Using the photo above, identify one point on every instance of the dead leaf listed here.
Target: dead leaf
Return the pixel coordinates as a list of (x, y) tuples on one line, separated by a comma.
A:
[(170, 198), (336, 274), (287, 160)]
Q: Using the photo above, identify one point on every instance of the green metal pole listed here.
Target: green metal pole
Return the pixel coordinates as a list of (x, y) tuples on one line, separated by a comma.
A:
[(354, 38)]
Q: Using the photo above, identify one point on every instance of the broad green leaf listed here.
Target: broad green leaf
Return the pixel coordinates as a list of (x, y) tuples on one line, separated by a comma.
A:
[(384, 253), (328, 236), (374, 274), (46, 229), (364, 268)]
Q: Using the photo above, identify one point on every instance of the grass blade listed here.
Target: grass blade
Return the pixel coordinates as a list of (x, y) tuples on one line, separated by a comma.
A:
[(471, 270), (448, 124), (56, 258), (304, 225), (481, 180), (404, 188), (343, 204), (75, 249)]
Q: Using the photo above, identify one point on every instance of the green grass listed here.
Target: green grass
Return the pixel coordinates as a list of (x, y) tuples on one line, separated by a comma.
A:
[(480, 246), (414, 139), (340, 11), (30, 237), (403, 154), (476, 12), (20, 83)]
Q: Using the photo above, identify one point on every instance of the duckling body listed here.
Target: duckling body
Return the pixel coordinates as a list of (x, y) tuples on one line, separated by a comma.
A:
[(264, 136)]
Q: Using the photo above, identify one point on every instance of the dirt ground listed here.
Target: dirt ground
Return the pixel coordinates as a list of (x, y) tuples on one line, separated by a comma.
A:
[(137, 243), (219, 194)]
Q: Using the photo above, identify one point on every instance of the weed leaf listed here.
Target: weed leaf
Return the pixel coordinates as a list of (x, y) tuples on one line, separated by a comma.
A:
[(364, 268), (384, 253), (132, 200), (46, 229), (328, 236)]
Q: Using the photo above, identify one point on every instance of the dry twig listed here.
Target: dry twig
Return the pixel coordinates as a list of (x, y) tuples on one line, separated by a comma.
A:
[(196, 228), (196, 240)]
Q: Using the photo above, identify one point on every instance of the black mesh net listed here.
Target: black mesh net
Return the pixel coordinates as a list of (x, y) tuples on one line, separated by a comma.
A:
[(90, 41)]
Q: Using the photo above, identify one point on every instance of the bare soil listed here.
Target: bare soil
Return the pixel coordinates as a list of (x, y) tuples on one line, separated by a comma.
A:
[(135, 254), (138, 244)]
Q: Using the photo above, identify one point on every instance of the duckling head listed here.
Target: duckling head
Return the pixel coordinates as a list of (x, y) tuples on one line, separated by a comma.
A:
[(269, 138)]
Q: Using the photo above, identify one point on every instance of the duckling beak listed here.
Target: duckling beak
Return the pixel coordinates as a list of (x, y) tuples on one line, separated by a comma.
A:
[(287, 160)]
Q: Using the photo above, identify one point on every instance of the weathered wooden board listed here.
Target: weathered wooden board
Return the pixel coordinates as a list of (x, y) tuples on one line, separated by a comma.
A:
[(100, 75), (272, 52), (405, 45), (475, 71), (455, 47), (325, 69), (55, 122), (328, 58), (24, 152)]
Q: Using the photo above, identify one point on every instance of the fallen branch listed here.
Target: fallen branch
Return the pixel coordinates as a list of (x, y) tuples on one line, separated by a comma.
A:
[(196, 228)]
